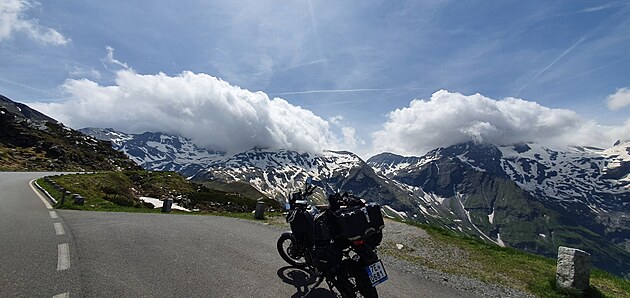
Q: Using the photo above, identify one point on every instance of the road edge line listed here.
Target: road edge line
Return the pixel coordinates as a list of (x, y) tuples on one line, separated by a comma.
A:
[(48, 206)]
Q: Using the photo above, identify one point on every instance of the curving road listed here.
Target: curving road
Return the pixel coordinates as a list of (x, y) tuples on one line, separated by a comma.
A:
[(65, 253)]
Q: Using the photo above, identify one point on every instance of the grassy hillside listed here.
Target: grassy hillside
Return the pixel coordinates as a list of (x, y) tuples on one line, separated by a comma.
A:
[(120, 191), (446, 251), (239, 187)]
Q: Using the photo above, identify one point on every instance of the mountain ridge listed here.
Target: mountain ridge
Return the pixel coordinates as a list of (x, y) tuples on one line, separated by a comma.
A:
[(501, 194)]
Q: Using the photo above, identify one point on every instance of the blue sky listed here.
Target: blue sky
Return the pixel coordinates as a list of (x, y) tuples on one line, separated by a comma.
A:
[(351, 63)]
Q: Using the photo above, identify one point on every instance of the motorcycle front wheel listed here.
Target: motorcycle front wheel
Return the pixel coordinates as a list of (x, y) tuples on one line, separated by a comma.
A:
[(290, 251)]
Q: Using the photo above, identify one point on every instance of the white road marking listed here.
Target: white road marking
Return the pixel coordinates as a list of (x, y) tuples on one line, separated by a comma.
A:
[(63, 262), (59, 228), (45, 201), (53, 214), (64, 295)]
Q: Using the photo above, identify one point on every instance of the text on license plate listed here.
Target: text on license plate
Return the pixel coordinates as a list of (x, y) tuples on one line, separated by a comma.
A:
[(377, 273)]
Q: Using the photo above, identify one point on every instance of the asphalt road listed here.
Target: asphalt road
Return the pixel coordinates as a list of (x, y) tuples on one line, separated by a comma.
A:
[(102, 254)]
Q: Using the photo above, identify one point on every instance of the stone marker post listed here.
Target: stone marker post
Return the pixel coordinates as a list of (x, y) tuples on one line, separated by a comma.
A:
[(260, 210), (574, 268), (166, 205), (63, 196), (78, 199)]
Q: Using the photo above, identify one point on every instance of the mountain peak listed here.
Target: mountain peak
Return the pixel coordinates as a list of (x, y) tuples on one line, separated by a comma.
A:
[(23, 110)]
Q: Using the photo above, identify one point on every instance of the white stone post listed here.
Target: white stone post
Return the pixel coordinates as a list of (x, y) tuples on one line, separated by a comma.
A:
[(574, 268)]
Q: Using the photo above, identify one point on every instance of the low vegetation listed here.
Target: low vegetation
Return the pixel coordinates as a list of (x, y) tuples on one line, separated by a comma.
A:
[(121, 191), (505, 266)]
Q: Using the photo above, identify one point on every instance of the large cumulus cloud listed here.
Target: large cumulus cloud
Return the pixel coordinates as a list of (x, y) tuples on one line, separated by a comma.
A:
[(451, 118), (210, 111)]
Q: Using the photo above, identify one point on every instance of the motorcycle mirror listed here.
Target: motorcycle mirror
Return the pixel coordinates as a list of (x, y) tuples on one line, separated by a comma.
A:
[(309, 180)]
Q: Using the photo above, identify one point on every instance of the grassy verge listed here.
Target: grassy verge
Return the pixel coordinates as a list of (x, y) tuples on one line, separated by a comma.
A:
[(509, 267), (119, 192), (92, 202)]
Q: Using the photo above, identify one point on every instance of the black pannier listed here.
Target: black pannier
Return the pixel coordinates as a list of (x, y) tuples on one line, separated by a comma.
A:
[(361, 222), (326, 252), (301, 224)]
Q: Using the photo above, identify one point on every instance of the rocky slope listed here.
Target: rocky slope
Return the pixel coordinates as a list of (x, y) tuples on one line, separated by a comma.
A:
[(32, 141), (527, 196)]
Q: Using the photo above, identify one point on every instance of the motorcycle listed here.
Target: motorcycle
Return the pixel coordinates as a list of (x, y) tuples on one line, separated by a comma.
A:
[(338, 243)]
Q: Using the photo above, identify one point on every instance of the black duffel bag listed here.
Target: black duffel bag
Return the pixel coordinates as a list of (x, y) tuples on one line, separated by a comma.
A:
[(356, 223)]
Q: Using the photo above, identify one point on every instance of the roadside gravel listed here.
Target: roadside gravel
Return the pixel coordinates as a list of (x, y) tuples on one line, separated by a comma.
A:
[(407, 248)]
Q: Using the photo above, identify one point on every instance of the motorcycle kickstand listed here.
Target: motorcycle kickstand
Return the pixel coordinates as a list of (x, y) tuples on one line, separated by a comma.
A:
[(319, 281)]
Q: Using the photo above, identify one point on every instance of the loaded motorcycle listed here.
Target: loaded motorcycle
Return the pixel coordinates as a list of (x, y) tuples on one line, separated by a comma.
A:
[(338, 243)]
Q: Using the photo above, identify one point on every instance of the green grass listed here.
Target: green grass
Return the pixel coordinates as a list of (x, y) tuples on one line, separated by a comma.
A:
[(92, 202), (119, 192), (510, 267)]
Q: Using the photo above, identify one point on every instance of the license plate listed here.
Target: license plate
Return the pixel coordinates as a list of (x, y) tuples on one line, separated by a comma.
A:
[(376, 273)]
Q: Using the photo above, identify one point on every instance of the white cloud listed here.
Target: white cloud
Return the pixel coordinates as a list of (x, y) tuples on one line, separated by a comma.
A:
[(620, 99), (451, 118), (110, 60), (13, 19), (211, 112), (81, 72), (336, 119), (350, 139)]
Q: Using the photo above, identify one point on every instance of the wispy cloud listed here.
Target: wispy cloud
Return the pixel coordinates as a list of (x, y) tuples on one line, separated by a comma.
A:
[(602, 7), (346, 90), (592, 70), (567, 51), (110, 60), (588, 35), (26, 86), (12, 20)]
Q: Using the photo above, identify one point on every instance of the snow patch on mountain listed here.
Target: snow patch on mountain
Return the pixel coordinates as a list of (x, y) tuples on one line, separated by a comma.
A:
[(573, 175), (277, 172)]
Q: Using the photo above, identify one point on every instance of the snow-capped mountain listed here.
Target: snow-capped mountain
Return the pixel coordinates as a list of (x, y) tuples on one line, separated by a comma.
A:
[(277, 173), (273, 173), (595, 177), (158, 151), (527, 196)]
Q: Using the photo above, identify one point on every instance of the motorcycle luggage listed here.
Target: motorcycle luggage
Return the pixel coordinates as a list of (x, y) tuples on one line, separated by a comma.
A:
[(301, 224), (322, 229), (356, 223), (327, 256)]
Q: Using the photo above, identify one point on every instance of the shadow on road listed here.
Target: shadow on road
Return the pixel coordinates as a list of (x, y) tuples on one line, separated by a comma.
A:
[(301, 280)]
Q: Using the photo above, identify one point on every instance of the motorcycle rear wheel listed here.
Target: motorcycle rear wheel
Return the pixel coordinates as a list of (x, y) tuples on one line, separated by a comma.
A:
[(364, 285), (288, 250), (358, 280)]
